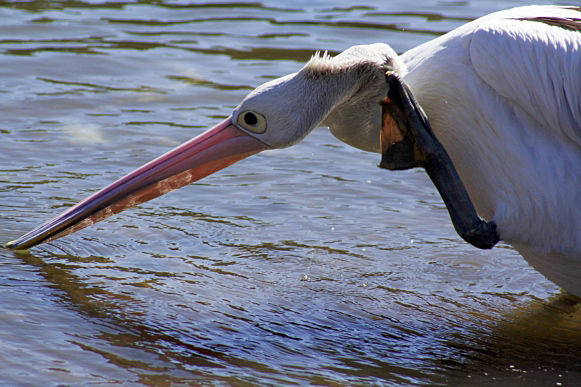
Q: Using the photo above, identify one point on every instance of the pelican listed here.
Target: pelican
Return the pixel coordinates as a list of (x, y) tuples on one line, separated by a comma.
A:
[(502, 144)]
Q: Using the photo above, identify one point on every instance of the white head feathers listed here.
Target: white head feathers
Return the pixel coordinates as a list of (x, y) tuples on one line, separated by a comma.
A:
[(340, 92)]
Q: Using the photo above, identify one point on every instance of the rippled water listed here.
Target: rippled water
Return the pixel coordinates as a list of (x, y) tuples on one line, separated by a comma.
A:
[(304, 266)]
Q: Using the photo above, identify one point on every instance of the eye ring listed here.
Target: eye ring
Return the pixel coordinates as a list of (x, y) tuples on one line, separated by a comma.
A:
[(252, 121)]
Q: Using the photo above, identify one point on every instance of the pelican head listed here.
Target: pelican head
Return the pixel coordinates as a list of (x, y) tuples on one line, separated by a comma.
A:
[(341, 92)]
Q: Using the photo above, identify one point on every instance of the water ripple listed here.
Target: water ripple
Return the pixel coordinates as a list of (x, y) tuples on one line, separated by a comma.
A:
[(305, 266)]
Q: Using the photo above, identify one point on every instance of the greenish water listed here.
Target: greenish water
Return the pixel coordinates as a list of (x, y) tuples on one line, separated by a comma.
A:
[(303, 266)]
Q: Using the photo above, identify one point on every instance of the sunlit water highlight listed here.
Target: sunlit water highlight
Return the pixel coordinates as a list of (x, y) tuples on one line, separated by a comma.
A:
[(304, 266)]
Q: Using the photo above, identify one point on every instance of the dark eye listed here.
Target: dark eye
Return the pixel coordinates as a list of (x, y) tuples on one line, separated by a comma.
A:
[(252, 121)]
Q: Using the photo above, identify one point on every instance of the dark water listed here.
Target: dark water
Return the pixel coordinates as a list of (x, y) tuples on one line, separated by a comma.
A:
[(304, 266)]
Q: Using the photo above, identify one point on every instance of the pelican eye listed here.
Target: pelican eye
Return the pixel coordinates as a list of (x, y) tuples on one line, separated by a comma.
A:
[(252, 121)]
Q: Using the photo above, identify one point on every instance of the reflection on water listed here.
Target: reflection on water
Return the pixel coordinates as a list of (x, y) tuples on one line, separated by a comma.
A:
[(300, 266)]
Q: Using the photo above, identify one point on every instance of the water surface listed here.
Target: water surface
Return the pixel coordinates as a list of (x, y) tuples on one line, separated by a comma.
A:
[(303, 266)]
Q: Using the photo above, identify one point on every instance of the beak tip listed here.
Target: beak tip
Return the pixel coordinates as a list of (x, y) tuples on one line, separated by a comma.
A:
[(12, 245), (18, 245)]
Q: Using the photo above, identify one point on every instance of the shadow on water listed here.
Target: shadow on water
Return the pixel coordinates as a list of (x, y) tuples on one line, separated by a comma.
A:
[(325, 339)]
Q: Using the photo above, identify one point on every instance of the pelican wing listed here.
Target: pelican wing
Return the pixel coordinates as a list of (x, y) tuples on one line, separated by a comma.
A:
[(535, 62)]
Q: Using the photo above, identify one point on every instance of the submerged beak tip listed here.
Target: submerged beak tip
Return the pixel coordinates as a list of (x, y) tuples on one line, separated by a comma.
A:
[(14, 245)]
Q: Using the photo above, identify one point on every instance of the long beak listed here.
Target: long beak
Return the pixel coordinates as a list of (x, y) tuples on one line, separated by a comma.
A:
[(211, 151)]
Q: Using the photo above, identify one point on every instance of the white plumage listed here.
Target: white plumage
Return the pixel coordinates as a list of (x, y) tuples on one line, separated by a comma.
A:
[(502, 93)]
